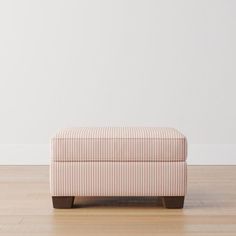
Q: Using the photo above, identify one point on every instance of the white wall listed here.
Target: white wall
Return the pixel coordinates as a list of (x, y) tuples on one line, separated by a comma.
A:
[(70, 63)]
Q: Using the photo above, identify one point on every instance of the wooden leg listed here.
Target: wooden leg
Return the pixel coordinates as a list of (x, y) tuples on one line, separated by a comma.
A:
[(62, 202), (173, 202)]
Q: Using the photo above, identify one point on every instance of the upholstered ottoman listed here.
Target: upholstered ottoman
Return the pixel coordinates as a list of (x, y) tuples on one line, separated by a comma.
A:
[(118, 162)]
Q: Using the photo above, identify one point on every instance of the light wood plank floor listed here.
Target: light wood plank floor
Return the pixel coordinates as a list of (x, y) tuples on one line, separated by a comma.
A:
[(26, 209)]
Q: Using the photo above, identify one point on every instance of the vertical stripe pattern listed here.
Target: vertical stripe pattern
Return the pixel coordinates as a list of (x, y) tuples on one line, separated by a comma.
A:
[(119, 144), (121, 161), (118, 178)]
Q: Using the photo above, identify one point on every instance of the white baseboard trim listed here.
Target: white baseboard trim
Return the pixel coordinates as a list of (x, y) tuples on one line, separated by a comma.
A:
[(39, 154), (212, 154), (24, 154)]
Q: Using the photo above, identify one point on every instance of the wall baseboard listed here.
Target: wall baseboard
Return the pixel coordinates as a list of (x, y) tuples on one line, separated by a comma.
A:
[(39, 154), (24, 154), (212, 154)]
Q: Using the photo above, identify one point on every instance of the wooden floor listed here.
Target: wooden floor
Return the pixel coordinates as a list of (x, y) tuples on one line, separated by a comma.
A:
[(26, 209)]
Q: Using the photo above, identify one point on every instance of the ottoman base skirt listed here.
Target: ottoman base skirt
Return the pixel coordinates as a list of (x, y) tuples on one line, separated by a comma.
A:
[(120, 179)]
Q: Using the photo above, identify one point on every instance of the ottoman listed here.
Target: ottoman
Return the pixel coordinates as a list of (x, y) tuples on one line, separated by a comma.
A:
[(118, 161)]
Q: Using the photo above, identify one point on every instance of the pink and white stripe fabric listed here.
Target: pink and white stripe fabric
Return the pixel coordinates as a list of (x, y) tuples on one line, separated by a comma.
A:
[(119, 144), (118, 178), (119, 161)]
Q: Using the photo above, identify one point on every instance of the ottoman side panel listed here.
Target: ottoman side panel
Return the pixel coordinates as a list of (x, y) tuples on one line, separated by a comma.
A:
[(118, 178)]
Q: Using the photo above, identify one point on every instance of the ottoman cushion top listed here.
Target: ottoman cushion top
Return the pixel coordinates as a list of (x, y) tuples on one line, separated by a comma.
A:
[(119, 144)]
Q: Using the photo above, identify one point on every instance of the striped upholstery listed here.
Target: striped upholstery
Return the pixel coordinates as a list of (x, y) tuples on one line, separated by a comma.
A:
[(119, 144), (118, 162), (118, 178)]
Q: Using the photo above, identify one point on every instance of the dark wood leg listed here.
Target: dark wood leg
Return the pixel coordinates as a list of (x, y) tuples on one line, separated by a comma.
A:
[(173, 202), (62, 202)]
